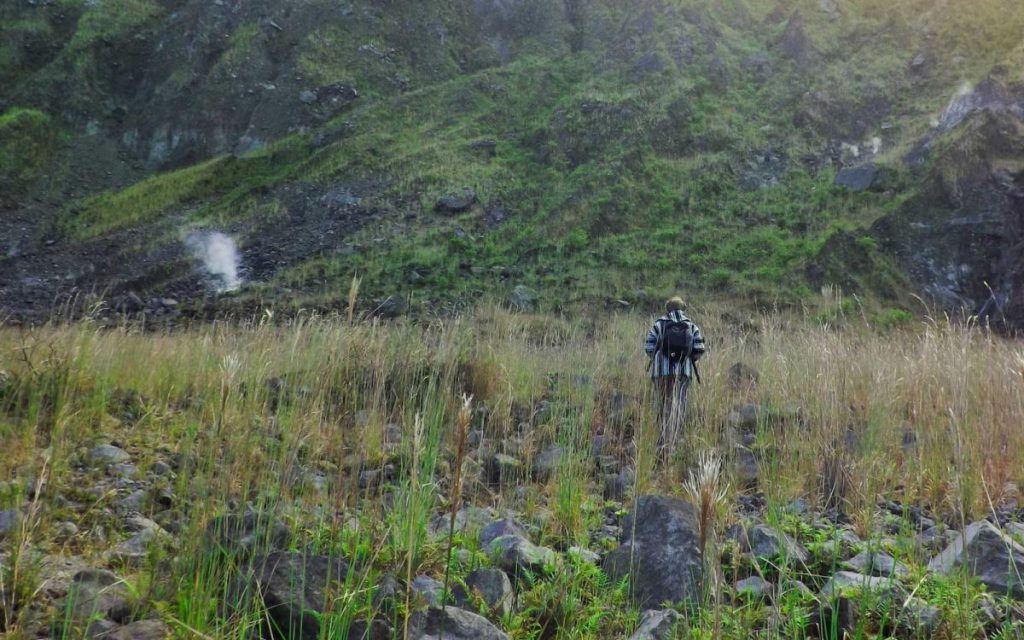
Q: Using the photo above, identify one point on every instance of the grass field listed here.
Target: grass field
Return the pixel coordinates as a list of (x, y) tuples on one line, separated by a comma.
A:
[(348, 432)]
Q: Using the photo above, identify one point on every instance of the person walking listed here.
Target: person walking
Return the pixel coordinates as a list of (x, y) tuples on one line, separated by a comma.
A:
[(674, 345)]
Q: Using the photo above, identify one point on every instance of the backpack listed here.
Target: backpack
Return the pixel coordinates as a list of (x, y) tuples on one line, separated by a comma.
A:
[(676, 341)]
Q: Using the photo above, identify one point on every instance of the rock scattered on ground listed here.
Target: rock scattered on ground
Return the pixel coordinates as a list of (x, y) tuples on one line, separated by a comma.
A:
[(516, 554), (498, 528), (987, 554), (142, 630), (656, 625), (95, 593), (107, 454), (241, 534), (877, 563), (456, 202), (294, 588), (452, 623), (763, 541), (523, 298), (492, 586), (860, 178), (659, 552), (754, 588), (467, 520), (9, 519), (429, 589)]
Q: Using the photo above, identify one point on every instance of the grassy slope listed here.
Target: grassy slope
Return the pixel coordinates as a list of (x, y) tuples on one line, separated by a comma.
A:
[(610, 183)]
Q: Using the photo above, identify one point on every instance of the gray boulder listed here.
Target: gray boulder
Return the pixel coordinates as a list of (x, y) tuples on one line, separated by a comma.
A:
[(843, 544), (64, 531), (848, 583), (376, 629), (430, 589), (135, 501), (492, 586), (452, 623), (467, 519), (142, 630), (135, 549), (659, 552), (935, 539), (98, 628), (860, 178), (745, 418), (56, 574), (504, 469), (498, 528), (104, 455), (583, 555), (246, 534), (919, 619), (515, 554), (523, 298), (295, 589), (138, 523), (9, 519), (391, 307), (123, 470), (753, 588), (95, 594), (747, 469), (988, 554), (877, 563), (456, 203), (656, 625), (843, 595), (547, 462), (763, 541)]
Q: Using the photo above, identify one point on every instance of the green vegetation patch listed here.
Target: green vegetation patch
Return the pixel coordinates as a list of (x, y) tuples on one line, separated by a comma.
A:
[(27, 141), (16, 37), (112, 19), (218, 188)]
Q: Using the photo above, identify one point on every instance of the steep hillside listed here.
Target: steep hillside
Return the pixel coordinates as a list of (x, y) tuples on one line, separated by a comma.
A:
[(574, 153)]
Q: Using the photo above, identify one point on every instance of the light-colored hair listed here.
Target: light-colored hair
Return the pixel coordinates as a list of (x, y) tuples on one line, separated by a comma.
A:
[(674, 304)]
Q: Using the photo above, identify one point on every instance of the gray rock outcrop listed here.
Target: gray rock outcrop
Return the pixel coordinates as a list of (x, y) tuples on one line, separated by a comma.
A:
[(659, 552)]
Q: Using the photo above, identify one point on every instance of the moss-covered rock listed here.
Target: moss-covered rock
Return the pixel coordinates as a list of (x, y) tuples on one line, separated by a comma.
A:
[(28, 140)]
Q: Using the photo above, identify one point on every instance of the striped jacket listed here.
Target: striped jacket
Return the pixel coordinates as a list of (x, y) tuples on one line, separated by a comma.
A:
[(661, 366)]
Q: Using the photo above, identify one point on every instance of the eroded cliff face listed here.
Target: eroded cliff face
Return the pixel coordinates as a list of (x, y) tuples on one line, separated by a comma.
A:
[(961, 237), (171, 83)]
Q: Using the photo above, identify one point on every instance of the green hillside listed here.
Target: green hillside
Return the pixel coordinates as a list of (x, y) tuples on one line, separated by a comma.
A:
[(608, 150)]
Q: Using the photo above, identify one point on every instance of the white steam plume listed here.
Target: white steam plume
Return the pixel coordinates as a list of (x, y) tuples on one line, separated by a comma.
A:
[(219, 256)]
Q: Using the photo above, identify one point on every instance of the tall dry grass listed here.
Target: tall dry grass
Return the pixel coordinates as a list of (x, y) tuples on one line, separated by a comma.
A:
[(301, 418), (330, 390)]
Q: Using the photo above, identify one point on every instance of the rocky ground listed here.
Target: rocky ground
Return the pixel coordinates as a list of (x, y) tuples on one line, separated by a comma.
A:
[(116, 523)]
